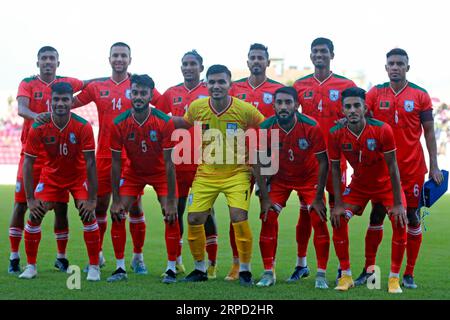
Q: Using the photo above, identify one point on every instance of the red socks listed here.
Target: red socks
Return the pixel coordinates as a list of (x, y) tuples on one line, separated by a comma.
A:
[(414, 240), (92, 240), (321, 240), (137, 230), (172, 236), (211, 247), (233, 243), (119, 238), (374, 236), (62, 236), (303, 231), (340, 240), (32, 240), (102, 221), (15, 236), (267, 239)]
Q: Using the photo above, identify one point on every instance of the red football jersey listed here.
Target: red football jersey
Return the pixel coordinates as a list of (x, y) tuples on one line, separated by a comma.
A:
[(176, 101), (111, 99), (40, 95), (144, 143), (322, 100), (365, 152), (402, 111), (63, 149), (262, 97), (297, 148)]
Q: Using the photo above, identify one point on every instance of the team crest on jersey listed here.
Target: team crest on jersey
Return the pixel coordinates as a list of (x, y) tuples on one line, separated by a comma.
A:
[(303, 144), (384, 105), (177, 100), (104, 93), (128, 94), (334, 95), (39, 187), (371, 144), (49, 140), (231, 127), (347, 147), (346, 192), (267, 98), (409, 105), (308, 94), (72, 138), (121, 182), (18, 186), (153, 136), (38, 95)]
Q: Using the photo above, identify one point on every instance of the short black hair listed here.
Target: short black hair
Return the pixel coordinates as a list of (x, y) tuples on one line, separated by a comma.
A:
[(143, 80), (287, 90), (46, 48), (195, 54), (325, 41), (259, 46), (397, 51), (62, 88), (353, 92), (120, 44), (218, 68)]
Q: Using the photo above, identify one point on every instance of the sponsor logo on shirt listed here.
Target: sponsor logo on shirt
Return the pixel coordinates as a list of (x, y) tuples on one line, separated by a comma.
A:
[(371, 144), (104, 93), (347, 147), (177, 100), (308, 94), (72, 138), (267, 98), (409, 105), (384, 105), (49, 140), (303, 144), (38, 95), (40, 187), (334, 95), (153, 136)]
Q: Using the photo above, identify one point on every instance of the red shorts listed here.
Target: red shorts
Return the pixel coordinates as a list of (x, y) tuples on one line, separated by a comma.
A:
[(134, 186), (359, 195), (184, 182), (329, 186), (49, 192), (280, 190), (19, 195), (412, 187), (104, 176)]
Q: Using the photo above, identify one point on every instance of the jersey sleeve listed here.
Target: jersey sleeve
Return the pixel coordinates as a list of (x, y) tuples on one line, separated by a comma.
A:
[(87, 138), (317, 140), (167, 130), (156, 97), (371, 99), (163, 103), (190, 115), (334, 150), (77, 84), (87, 95), (24, 90), (255, 118), (33, 146), (387, 139), (116, 139), (425, 102)]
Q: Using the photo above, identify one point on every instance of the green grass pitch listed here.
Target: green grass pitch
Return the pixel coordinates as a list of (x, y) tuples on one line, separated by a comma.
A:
[(431, 272)]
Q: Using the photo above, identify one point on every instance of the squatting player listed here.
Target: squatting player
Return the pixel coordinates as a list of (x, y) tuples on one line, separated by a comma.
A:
[(34, 98), (319, 95), (369, 146), (175, 101), (222, 118), (112, 97), (303, 167), (258, 90), (407, 108), (67, 143), (145, 134)]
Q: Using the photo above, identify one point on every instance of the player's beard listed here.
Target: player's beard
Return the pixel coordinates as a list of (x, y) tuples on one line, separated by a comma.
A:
[(141, 109), (285, 120)]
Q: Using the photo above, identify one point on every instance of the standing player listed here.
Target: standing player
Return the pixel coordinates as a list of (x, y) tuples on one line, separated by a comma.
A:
[(175, 101), (67, 143), (319, 95), (34, 98), (369, 146), (257, 90), (145, 134), (303, 167), (407, 108), (112, 97), (222, 118)]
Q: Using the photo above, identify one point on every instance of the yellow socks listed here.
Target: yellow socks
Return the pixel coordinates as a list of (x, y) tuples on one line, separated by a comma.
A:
[(197, 241), (244, 240)]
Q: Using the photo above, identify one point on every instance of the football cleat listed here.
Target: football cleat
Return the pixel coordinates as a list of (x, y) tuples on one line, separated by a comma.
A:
[(267, 279), (62, 264), (30, 272), (170, 277), (196, 276), (101, 262), (299, 272), (338, 275), (138, 267), (180, 269), (362, 278), (394, 285), (408, 282), (234, 273), (118, 275), (212, 272), (14, 266), (245, 279), (344, 283), (93, 273), (321, 282)]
